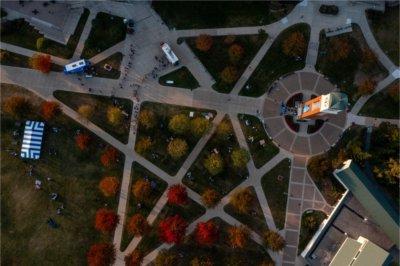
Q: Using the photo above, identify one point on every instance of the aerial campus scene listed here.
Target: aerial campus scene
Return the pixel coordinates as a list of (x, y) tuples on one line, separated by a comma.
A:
[(200, 133)]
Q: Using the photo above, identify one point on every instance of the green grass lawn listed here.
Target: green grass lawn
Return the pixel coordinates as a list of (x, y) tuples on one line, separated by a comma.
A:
[(385, 27), (382, 105), (275, 64), (255, 219), (26, 237), (310, 222), (107, 30), (20, 33), (160, 135), (139, 172), (276, 191), (343, 73), (114, 61), (225, 181), (217, 58), (17, 60), (260, 154), (210, 14), (220, 252), (100, 103), (182, 78), (188, 212)]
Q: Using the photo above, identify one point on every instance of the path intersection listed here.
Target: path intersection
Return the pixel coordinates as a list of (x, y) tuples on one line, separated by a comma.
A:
[(150, 32)]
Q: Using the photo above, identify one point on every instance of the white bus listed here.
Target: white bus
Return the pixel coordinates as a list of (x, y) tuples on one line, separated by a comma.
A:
[(77, 67), (172, 58)]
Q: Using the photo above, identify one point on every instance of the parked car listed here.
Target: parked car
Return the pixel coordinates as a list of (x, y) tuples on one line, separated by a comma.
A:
[(130, 24)]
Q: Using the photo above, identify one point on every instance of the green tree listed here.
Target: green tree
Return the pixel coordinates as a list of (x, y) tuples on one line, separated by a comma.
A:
[(214, 163), (41, 43), (235, 52), (177, 148), (224, 129), (239, 157), (166, 258), (199, 126), (17, 106), (229, 74), (179, 124)]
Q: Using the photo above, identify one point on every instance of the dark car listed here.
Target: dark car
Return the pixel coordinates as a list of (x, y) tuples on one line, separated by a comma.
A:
[(130, 26)]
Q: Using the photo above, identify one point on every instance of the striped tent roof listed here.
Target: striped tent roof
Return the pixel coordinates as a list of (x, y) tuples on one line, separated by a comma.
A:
[(32, 141)]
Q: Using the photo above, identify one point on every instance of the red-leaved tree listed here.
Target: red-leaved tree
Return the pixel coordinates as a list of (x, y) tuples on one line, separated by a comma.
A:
[(106, 220), (177, 194), (101, 254), (206, 233), (134, 259), (82, 140), (50, 109), (41, 62), (109, 157), (172, 229), (138, 225)]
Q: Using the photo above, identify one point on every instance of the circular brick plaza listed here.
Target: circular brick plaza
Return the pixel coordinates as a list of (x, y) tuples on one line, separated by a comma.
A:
[(303, 138)]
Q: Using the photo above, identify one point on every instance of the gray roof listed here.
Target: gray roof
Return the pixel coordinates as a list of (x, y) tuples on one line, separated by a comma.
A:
[(371, 198), (339, 101)]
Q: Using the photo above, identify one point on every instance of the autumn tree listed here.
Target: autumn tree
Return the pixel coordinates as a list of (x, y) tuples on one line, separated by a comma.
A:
[(214, 163), (135, 258), (204, 42), (242, 200), (106, 220), (229, 39), (82, 140), (202, 261), (394, 91), (109, 186), (141, 189), (147, 119), (177, 195), (267, 263), (339, 49), (238, 236), (86, 111), (206, 233), (17, 106), (235, 52), (101, 254), (319, 167), (367, 87), (114, 115), (109, 157), (368, 59), (239, 158), (177, 148), (138, 225), (390, 171), (224, 129), (172, 229), (229, 74), (166, 258), (41, 62), (210, 198), (143, 145), (179, 124), (274, 241), (50, 109), (41, 43), (199, 126), (295, 45)]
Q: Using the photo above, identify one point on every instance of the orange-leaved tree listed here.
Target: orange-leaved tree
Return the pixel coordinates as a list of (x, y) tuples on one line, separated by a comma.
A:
[(41, 62), (229, 74), (172, 229), (147, 119), (204, 42), (135, 258), (138, 225), (206, 233), (106, 220), (109, 157), (235, 52), (177, 195), (143, 145), (367, 87), (50, 109), (242, 200), (210, 197), (294, 45), (274, 241), (141, 189), (109, 186), (82, 140), (17, 106), (238, 236), (339, 49), (101, 254)]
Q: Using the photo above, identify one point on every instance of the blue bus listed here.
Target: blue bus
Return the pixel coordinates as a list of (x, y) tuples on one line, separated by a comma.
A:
[(77, 67)]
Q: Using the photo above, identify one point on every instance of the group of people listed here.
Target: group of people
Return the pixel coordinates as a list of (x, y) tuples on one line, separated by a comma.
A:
[(162, 64)]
